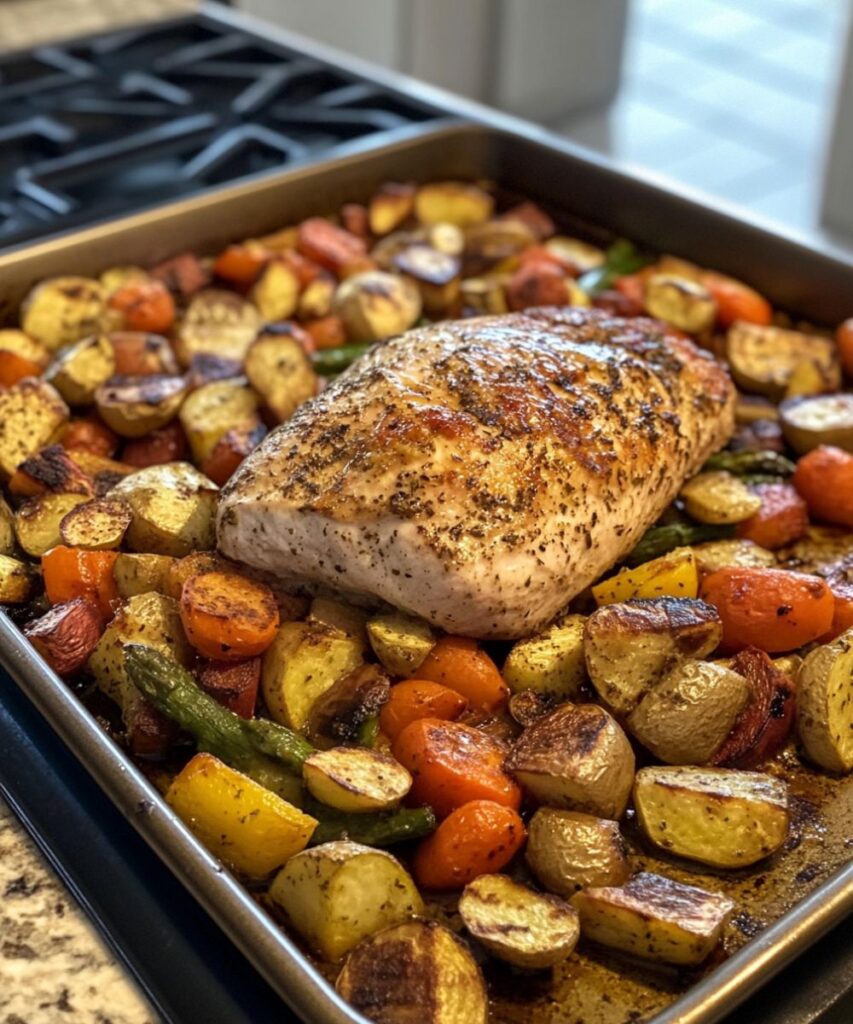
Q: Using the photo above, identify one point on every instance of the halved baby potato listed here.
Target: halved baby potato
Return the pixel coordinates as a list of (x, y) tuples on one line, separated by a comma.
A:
[(568, 851), (79, 370), (141, 574), (763, 358), (62, 310), (680, 301), (519, 925), (718, 816), (276, 292), (435, 274), (134, 406), (655, 918), (17, 580), (37, 521), (454, 202), (217, 322), (720, 554), (400, 642), (214, 409), (825, 704), (356, 779), (551, 663), (375, 305), (433, 979), (336, 894), (98, 525), (347, 618), (281, 373)]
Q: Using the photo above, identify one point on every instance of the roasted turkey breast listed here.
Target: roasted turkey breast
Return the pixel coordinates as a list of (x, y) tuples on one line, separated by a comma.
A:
[(481, 473)]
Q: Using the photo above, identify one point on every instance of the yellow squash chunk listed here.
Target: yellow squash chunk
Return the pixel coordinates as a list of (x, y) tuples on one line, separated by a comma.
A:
[(246, 826), (671, 575)]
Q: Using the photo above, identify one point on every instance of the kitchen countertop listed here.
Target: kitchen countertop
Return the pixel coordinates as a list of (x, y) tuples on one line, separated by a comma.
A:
[(54, 968)]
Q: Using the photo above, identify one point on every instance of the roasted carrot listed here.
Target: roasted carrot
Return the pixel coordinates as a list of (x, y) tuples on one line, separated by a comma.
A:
[(140, 353), (330, 246), (89, 434), (168, 444), (418, 698), (782, 518), (228, 617), (327, 332), (824, 478), (145, 306), (51, 470), (844, 337), (476, 839), (736, 300), (15, 367), (537, 284), (72, 572), (183, 274), (242, 264), (354, 219), (453, 764), (772, 609), (305, 270), (458, 662), (233, 683), (542, 254), (230, 450), (617, 304), (196, 564)]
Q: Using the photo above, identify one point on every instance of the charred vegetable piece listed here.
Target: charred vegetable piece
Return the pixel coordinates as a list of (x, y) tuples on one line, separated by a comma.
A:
[(818, 419), (825, 705), (660, 540), (31, 414), (681, 302), (375, 305), (66, 635), (435, 274), (568, 851), (52, 470), (97, 525), (134, 406), (217, 322)]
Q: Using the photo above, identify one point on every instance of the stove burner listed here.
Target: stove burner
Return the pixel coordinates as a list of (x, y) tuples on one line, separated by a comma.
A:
[(104, 126)]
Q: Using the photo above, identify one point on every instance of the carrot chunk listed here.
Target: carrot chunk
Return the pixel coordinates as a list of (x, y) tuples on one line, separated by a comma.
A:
[(418, 698), (478, 838), (458, 662), (89, 434), (844, 337), (772, 609), (234, 684), (333, 248), (72, 572), (824, 478), (537, 283), (145, 306), (782, 518), (453, 764), (168, 444), (242, 264), (230, 450), (14, 367), (736, 301), (228, 617)]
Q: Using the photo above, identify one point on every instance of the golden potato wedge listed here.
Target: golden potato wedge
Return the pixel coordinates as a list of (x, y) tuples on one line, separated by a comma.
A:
[(655, 918), (434, 980), (454, 202), (37, 521), (249, 828), (762, 359), (173, 507), (17, 580), (390, 206), (495, 241), (346, 617), (276, 292), (717, 816), (141, 574), (719, 498), (686, 304), (281, 373), (214, 409), (31, 414), (7, 529), (628, 647), (356, 779), (50, 470), (337, 894), (567, 851), (685, 717), (435, 275), (217, 322), (577, 758), (551, 663), (825, 704), (62, 310), (572, 250), (672, 575), (134, 406), (316, 298), (18, 343), (375, 305), (400, 642), (104, 473), (519, 925), (98, 525), (485, 294), (80, 369), (305, 660), (720, 554)]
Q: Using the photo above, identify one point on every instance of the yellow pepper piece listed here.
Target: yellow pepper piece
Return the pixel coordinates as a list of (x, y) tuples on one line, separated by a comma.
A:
[(246, 826), (672, 575)]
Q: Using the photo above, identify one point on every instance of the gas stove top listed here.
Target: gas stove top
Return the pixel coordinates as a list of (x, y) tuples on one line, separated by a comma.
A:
[(91, 129)]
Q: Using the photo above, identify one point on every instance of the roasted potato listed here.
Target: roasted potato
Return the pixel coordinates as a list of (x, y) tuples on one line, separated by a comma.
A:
[(80, 369), (813, 420), (628, 647), (346, 617), (249, 828), (173, 509), (219, 323), (104, 473), (719, 498), (305, 660), (655, 918), (337, 894), (518, 925), (453, 202), (17, 580), (390, 206), (31, 414), (276, 292), (485, 294), (51, 470), (762, 359), (214, 409), (66, 635), (717, 816), (567, 851), (114, 278), (141, 574), (495, 241), (98, 525), (140, 352), (400, 642), (672, 575), (572, 250), (578, 758), (62, 310), (375, 305), (317, 297), (825, 704), (281, 373), (720, 554), (37, 521), (551, 663), (134, 406), (7, 529), (435, 275), (20, 356), (687, 715), (679, 301), (434, 979), (356, 779)]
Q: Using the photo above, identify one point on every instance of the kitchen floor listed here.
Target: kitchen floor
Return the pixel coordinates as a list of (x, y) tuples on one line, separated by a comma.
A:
[(730, 98)]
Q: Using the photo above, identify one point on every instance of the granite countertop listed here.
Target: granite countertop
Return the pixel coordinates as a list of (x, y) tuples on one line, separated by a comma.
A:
[(54, 968)]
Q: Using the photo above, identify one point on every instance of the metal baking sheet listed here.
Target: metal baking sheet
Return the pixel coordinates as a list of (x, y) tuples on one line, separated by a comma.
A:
[(591, 195)]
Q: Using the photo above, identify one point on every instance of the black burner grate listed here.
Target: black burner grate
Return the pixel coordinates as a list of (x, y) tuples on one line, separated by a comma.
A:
[(110, 125)]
